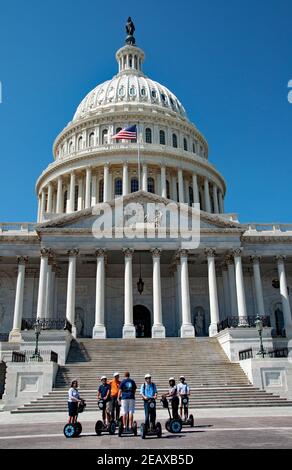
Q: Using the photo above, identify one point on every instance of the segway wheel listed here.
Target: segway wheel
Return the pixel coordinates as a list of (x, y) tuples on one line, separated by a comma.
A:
[(167, 425), (120, 428), (158, 430), (78, 428), (143, 431), (135, 428), (191, 419), (112, 428), (98, 427), (69, 430), (175, 426)]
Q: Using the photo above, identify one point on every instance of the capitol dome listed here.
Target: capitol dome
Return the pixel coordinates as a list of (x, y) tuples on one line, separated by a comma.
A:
[(90, 166)]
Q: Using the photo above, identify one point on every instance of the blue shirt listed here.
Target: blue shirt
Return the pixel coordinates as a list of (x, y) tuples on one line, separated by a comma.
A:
[(103, 389), (128, 387), (148, 390)]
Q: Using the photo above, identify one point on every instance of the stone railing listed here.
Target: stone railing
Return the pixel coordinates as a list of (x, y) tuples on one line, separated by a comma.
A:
[(253, 353), (47, 355), (241, 322), (47, 324), (17, 227), (263, 229)]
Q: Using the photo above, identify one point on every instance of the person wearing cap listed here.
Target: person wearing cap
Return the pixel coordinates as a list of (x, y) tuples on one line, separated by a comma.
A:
[(104, 394), (183, 392), (148, 390), (127, 392), (172, 395), (114, 393)]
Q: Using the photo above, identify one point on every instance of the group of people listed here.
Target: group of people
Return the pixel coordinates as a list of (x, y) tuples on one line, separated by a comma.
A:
[(119, 398)]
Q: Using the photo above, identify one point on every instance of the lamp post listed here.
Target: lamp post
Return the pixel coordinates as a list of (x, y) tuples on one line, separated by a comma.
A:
[(260, 327), (37, 329)]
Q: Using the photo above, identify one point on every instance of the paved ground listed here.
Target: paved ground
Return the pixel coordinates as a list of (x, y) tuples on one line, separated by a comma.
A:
[(214, 429)]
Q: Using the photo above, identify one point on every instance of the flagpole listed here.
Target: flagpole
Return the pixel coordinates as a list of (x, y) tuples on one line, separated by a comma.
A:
[(139, 169)]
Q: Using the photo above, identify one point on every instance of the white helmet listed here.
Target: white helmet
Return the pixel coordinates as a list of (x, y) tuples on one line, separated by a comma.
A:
[(116, 374), (171, 378), (103, 377), (147, 376), (182, 377)]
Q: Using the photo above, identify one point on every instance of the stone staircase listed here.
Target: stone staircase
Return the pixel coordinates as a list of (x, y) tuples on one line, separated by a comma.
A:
[(214, 381)]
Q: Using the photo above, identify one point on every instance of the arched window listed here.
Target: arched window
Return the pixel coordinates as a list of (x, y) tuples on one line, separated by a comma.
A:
[(191, 195), (134, 185), (194, 147), (80, 143), (65, 201), (151, 185), (76, 198), (91, 139), (148, 135), (104, 139), (118, 187), (162, 137), (100, 191), (118, 129), (71, 147), (174, 140), (185, 144), (167, 189)]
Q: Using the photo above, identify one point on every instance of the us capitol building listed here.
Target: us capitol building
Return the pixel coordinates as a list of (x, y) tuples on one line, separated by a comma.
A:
[(56, 269)]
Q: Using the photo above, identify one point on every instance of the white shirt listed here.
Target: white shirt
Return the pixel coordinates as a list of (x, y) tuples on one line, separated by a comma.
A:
[(73, 392), (183, 389)]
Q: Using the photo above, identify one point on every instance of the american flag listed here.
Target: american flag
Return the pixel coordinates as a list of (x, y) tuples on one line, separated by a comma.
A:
[(128, 133)]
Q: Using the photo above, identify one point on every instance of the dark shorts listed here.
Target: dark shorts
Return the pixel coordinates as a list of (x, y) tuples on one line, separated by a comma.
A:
[(72, 408)]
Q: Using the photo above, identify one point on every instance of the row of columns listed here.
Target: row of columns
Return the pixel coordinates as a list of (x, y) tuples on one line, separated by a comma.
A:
[(90, 198), (234, 280)]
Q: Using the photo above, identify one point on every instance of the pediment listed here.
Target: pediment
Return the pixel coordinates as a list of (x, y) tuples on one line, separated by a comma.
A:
[(85, 219)]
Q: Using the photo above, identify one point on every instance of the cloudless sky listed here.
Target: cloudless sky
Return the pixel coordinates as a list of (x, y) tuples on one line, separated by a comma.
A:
[(228, 61)]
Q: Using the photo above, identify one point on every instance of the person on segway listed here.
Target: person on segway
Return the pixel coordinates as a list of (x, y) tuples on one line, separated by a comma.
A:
[(73, 402), (104, 394), (183, 393), (127, 392), (114, 393), (149, 391), (172, 395)]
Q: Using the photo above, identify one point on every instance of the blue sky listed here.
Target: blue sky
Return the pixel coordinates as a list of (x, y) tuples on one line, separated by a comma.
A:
[(229, 62)]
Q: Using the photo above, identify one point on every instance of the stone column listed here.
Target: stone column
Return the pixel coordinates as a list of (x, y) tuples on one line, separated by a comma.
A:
[(258, 284), (72, 192), (48, 303), (125, 179), (70, 305), (50, 198), (196, 189), (207, 196), (93, 190), (180, 186), (158, 330), (284, 295), (187, 329), (163, 182), (221, 202), (80, 194), (174, 188), (232, 286), (215, 198), (187, 193), (144, 177), (15, 333), (41, 305), (106, 183), (226, 290), (43, 204), (128, 328), (99, 330), (240, 292), (59, 208), (213, 295), (87, 188)]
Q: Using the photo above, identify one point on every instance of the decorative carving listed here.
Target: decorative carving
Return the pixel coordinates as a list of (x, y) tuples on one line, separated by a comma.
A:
[(128, 252), (210, 252), (45, 252), (280, 258), (22, 259), (255, 258), (73, 252), (228, 259), (237, 251), (156, 252), (182, 253), (100, 252)]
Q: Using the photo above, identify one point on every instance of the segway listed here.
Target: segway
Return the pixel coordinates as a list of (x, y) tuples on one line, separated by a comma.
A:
[(190, 420), (100, 427), (128, 431), (156, 430), (173, 425), (75, 429)]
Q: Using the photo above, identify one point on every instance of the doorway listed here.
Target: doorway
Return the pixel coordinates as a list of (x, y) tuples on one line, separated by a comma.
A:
[(142, 321)]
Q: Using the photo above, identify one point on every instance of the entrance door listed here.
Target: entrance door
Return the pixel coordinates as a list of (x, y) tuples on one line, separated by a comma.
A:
[(142, 321), (279, 320)]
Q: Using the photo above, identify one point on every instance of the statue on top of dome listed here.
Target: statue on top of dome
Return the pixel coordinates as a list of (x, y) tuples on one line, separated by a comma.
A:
[(130, 29)]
